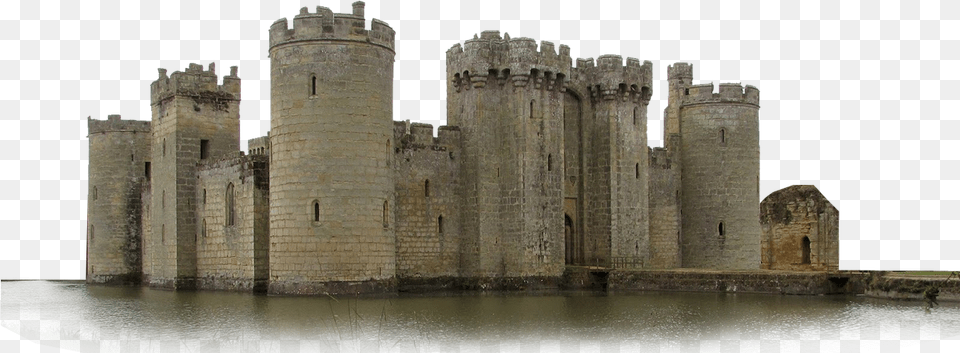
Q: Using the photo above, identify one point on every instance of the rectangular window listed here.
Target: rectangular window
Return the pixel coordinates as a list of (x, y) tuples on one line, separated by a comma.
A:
[(204, 149), (146, 170)]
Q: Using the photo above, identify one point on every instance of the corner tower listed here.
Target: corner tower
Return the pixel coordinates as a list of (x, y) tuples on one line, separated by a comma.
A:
[(720, 196), (331, 183), (119, 171)]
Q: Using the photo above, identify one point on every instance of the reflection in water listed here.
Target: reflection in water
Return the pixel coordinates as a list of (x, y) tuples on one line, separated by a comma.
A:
[(157, 320)]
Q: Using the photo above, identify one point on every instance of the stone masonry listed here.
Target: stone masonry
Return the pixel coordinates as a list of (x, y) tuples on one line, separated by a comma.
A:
[(800, 230), (544, 165)]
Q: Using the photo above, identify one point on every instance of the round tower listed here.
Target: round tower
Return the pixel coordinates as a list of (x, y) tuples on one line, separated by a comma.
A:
[(331, 185), (720, 142), (119, 152)]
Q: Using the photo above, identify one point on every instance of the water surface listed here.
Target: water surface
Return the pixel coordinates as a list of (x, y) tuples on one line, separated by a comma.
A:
[(97, 318)]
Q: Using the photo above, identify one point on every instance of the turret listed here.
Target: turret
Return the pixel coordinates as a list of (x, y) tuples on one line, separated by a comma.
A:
[(720, 148)]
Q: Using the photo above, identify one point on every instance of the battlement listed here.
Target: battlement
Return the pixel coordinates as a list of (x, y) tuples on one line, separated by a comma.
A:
[(680, 71), (609, 78), (259, 145), (490, 58), (324, 25), (197, 83), (729, 93), (419, 136), (115, 124)]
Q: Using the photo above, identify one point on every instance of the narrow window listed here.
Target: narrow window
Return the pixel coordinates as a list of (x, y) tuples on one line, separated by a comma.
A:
[(230, 211), (634, 116), (440, 224), (91, 233), (723, 137), (204, 196), (163, 233), (386, 211), (94, 193), (638, 170), (203, 231), (531, 108), (146, 170), (164, 147), (720, 229), (204, 149), (686, 91), (163, 199), (386, 153), (313, 85), (549, 162), (426, 188), (805, 251), (316, 211)]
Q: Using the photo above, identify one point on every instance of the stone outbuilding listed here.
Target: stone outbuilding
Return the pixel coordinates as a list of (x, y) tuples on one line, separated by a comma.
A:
[(800, 230)]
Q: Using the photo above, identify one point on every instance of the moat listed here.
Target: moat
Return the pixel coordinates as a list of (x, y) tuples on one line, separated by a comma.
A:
[(102, 318)]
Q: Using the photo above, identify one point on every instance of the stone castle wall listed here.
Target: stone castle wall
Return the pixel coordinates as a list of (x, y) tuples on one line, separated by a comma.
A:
[(232, 253), (665, 229), (116, 180), (428, 201)]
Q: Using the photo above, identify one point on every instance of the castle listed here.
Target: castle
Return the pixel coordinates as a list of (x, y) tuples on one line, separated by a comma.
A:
[(544, 165)]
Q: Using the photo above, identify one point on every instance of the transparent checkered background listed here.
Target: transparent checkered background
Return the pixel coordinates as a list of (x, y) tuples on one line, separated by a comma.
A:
[(858, 98)]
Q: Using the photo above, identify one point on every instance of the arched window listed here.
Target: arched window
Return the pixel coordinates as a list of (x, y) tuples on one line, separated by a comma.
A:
[(805, 251), (230, 212), (313, 85), (440, 224), (386, 211), (720, 229), (426, 188), (316, 211)]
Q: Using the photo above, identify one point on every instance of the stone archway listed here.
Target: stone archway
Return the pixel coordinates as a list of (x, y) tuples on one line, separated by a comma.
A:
[(570, 242)]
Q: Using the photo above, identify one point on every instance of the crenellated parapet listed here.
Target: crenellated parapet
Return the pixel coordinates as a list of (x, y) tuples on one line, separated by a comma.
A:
[(420, 136), (680, 71), (493, 60), (259, 145), (729, 93), (610, 79), (196, 83), (324, 25), (115, 124)]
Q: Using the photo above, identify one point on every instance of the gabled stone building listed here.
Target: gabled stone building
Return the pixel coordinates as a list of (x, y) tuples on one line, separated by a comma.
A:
[(544, 164)]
